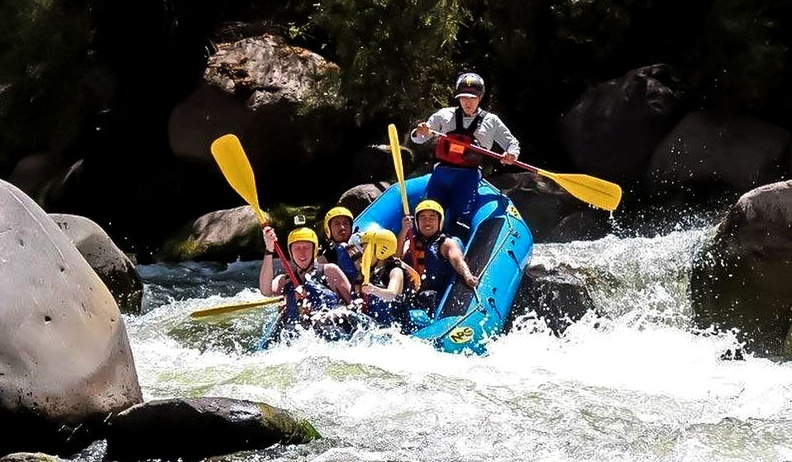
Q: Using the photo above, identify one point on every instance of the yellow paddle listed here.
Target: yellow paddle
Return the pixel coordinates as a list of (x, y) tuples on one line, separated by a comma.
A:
[(365, 263), (393, 136), (230, 156), (222, 309), (365, 270), (595, 191)]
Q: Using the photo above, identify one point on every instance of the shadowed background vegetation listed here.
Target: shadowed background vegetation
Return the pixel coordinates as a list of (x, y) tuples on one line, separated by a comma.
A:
[(77, 76)]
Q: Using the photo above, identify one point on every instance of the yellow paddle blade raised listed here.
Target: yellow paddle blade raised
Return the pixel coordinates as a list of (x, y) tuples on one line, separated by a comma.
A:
[(233, 162), (223, 309), (230, 156), (393, 137), (595, 191)]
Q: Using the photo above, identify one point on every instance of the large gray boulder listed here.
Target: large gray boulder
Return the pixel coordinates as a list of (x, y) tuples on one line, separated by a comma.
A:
[(357, 198), (30, 457), (554, 295), (111, 264), (612, 130), (222, 235), (65, 358), (280, 100), (740, 280), (230, 235), (708, 153)]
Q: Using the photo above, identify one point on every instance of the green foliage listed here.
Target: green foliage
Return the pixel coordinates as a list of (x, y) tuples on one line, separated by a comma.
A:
[(396, 56), (283, 217), (599, 26), (50, 82), (742, 57)]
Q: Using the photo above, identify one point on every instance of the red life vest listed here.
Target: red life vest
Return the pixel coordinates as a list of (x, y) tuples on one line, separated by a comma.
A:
[(419, 251), (453, 149)]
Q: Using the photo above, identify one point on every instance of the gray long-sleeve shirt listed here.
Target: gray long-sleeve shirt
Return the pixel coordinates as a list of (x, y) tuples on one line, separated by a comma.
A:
[(491, 130)]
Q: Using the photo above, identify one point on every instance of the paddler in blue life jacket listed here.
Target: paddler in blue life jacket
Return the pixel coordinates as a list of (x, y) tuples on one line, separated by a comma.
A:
[(337, 247), (456, 174), (434, 255), (391, 284), (320, 286)]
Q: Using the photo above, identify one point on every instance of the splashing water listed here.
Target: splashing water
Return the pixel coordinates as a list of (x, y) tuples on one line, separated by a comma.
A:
[(639, 384)]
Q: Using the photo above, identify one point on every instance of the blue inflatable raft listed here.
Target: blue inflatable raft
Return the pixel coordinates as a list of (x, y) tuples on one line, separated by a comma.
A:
[(498, 251)]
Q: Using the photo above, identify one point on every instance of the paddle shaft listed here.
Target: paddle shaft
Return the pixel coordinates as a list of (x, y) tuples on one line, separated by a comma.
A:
[(489, 153), (230, 156), (393, 137), (594, 191), (223, 309), (399, 167), (286, 264)]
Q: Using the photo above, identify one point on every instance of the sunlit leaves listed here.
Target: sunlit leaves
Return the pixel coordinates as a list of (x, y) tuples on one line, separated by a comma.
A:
[(391, 52)]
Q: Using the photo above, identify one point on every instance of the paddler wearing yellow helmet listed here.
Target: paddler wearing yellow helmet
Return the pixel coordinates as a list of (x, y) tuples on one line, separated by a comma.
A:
[(317, 286), (435, 255), (338, 246), (389, 285)]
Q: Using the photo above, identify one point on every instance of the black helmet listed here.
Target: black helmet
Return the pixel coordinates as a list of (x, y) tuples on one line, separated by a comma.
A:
[(469, 84)]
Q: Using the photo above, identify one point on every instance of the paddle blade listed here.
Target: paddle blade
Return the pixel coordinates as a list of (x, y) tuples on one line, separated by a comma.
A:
[(233, 162), (393, 137), (365, 263), (415, 278), (595, 191), (222, 309)]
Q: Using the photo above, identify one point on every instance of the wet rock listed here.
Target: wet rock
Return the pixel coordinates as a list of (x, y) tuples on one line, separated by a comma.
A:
[(740, 279), (612, 130), (30, 457), (554, 295), (114, 268), (67, 362), (223, 236), (712, 154), (194, 429)]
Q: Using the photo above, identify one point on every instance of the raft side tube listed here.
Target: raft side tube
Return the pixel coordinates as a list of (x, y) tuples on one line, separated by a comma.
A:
[(466, 319), (387, 210), (498, 251)]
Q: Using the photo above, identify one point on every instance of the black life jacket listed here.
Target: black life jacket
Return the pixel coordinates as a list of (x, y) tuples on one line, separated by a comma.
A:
[(320, 295), (453, 149), (381, 275), (396, 310)]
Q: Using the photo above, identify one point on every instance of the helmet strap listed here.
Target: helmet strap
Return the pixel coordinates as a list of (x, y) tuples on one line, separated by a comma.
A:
[(302, 271)]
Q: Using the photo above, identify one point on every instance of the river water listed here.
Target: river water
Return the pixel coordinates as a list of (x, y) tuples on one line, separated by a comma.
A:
[(639, 384)]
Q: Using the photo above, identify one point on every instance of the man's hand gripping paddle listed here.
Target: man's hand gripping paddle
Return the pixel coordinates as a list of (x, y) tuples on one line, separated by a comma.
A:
[(233, 162), (595, 191)]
